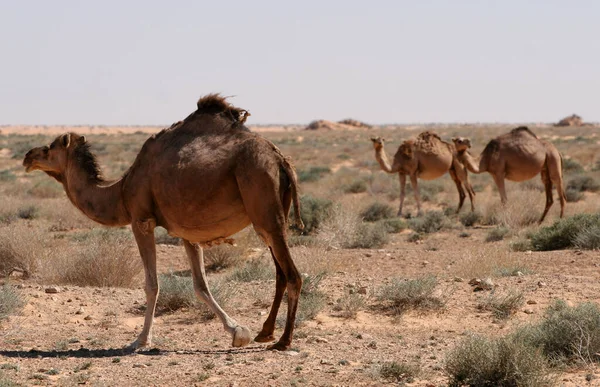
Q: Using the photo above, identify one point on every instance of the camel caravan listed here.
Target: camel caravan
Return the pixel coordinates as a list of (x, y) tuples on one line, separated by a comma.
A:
[(207, 177), (518, 155)]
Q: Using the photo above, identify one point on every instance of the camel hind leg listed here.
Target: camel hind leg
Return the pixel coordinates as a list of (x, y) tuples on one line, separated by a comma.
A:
[(459, 188), (265, 208), (548, 188)]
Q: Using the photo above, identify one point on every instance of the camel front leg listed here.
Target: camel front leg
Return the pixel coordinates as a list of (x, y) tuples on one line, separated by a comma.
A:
[(415, 185), (266, 333), (240, 334), (143, 230), (402, 178), (499, 180)]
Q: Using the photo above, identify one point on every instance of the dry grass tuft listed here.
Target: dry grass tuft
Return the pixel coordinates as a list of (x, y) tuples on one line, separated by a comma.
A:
[(11, 301), (504, 305), (490, 261), (403, 294), (23, 248)]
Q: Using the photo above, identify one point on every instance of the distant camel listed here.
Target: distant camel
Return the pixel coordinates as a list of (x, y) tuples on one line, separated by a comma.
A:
[(517, 156), (203, 179), (426, 158)]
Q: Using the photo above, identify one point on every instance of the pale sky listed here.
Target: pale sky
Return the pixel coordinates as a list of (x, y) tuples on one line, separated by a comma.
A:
[(147, 62)]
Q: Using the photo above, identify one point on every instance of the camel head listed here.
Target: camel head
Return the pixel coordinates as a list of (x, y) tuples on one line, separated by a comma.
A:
[(377, 142), (53, 158), (461, 143)]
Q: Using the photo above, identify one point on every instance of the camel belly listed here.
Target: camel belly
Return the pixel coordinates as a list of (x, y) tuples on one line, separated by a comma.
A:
[(523, 171), (430, 175), (208, 232)]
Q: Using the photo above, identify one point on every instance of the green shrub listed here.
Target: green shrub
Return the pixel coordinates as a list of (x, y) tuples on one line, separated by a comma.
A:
[(503, 362), (254, 270), (573, 195), (521, 245), (312, 174), (28, 212), (401, 295), (357, 186), (571, 166), (369, 235), (399, 372), (588, 238), (349, 305), (569, 334), (502, 306), (430, 222), (377, 211), (162, 237), (221, 257), (395, 225), (314, 211), (563, 233), (469, 219), (7, 176), (10, 301), (583, 183), (496, 234), (414, 237)]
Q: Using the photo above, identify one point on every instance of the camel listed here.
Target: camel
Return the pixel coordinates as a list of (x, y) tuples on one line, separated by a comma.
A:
[(518, 155), (203, 179), (426, 158)]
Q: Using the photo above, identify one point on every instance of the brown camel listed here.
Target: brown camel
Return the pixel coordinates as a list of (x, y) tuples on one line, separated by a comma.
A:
[(426, 158), (203, 179), (518, 155)]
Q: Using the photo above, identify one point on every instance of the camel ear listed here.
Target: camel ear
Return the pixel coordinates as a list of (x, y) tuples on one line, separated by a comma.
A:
[(454, 139), (65, 140), (373, 139), (82, 140)]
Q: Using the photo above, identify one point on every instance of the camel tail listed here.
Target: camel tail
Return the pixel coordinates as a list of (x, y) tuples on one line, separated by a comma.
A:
[(289, 170)]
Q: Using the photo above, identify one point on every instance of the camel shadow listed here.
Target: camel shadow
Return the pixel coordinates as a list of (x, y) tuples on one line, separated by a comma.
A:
[(117, 352)]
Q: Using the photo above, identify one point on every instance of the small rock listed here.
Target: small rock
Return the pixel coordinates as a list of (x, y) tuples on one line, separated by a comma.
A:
[(368, 255), (351, 291), (474, 281), (362, 290), (381, 251), (291, 353), (425, 263), (458, 279), (54, 298), (80, 311), (323, 361), (262, 313), (531, 302), (485, 284), (87, 318), (139, 365), (372, 344), (519, 274), (528, 311), (52, 289), (321, 340), (541, 284), (21, 286)]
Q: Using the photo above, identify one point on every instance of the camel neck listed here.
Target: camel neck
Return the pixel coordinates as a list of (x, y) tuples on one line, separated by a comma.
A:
[(99, 200), (383, 161), (472, 164)]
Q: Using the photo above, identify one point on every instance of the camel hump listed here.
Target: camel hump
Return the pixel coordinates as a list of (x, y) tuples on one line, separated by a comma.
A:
[(216, 104), (523, 129), (428, 136)]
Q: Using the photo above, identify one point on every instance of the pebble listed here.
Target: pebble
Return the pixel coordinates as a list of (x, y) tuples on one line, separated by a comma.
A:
[(138, 365), (291, 353), (80, 311), (87, 318), (321, 340), (541, 284), (52, 289), (531, 302), (362, 290), (323, 361), (368, 255), (528, 311), (458, 279)]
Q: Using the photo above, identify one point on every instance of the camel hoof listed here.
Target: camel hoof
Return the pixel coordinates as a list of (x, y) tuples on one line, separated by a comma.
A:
[(264, 338), (279, 346), (138, 344), (241, 336)]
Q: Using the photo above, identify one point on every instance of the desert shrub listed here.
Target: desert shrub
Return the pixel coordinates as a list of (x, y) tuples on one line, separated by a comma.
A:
[(583, 183), (102, 233), (46, 188), (430, 222), (28, 212), (569, 334), (221, 257), (162, 237), (399, 372), (368, 236), (314, 211), (104, 260), (377, 211), (7, 176), (357, 186), (571, 166), (573, 195), (496, 234), (6, 382), (312, 173), (254, 270), (349, 305), (479, 361), (564, 232), (588, 238), (521, 245), (23, 248), (512, 269), (395, 225), (177, 292), (414, 237), (469, 219), (502, 306), (11, 301), (401, 295), (428, 191)]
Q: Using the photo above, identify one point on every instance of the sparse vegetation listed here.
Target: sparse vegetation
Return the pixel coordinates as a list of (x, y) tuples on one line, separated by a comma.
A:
[(504, 305), (430, 222), (567, 232), (312, 173), (395, 225), (349, 305), (470, 218), (369, 236), (22, 249), (314, 211), (573, 195), (401, 295), (356, 186), (479, 361), (496, 234), (254, 270), (399, 372), (377, 211), (582, 183), (11, 301), (162, 237), (221, 257)]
